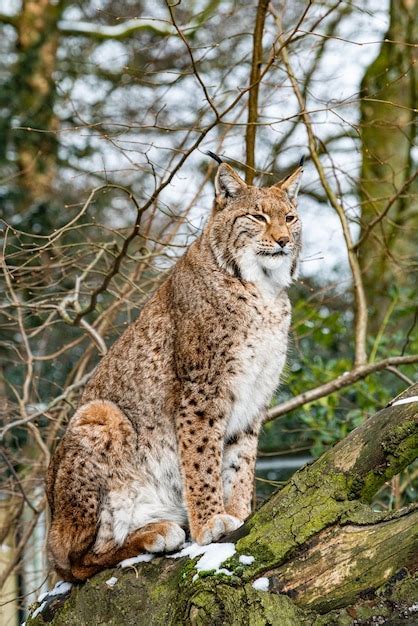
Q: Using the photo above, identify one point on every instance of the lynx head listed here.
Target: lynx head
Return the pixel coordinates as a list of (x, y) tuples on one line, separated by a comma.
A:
[(255, 233)]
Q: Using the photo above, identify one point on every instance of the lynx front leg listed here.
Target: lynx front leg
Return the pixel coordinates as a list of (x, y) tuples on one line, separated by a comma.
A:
[(200, 437), (238, 472)]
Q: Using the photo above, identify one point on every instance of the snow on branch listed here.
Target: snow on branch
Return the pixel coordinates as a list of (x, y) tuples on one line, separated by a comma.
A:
[(121, 31), (124, 30)]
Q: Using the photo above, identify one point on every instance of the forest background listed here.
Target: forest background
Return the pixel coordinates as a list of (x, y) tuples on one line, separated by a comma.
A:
[(107, 111)]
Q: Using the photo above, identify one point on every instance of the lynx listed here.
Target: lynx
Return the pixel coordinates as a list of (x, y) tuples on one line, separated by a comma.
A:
[(165, 438)]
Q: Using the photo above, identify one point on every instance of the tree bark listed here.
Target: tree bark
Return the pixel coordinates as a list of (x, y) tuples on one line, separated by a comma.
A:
[(387, 186), (256, 62), (328, 557), (34, 91)]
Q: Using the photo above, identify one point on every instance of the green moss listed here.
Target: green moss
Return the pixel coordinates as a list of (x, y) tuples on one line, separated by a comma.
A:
[(314, 498), (204, 609), (275, 609), (391, 601), (401, 448), (244, 607)]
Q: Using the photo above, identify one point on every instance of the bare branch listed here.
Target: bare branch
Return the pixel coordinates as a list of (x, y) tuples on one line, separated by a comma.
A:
[(361, 314), (100, 32), (345, 380), (253, 93)]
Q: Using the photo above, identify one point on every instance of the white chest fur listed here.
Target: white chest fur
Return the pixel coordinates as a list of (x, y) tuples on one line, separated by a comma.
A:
[(260, 363)]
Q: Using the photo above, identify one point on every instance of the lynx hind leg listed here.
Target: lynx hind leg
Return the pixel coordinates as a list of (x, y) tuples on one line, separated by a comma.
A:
[(88, 464), (97, 440)]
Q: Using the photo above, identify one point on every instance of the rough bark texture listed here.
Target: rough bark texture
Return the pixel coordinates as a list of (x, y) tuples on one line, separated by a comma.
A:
[(329, 558), (388, 131), (256, 62), (34, 94)]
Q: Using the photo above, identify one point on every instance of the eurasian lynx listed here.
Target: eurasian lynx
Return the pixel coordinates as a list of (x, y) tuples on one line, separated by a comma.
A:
[(165, 438)]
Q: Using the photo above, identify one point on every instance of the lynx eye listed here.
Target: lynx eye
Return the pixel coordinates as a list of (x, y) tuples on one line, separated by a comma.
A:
[(290, 218), (259, 218)]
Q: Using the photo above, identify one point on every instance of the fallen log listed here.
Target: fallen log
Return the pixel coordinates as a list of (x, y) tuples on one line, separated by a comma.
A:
[(315, 553)]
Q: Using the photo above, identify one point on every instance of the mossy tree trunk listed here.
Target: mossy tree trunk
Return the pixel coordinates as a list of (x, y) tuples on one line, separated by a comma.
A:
[(388, 132), (328, 557), (33, 91)]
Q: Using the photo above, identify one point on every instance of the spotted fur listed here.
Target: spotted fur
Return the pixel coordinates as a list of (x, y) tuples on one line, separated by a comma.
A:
[(165, 438)]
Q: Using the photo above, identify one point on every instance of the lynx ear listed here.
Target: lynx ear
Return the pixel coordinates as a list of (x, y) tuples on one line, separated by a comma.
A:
[(227, 183), (291, 184)]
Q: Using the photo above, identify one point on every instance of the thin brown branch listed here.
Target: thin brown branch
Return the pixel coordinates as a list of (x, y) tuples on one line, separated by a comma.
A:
[(192, 60), (26, 536), (400, 375), (257, 59), (361, 315), (17, 480), (119, 258), (345, 380), (385, 211), (62, 397)]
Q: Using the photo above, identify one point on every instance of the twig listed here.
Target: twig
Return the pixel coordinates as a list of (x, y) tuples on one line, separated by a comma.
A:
[(385, 211), (17, 479), (195, 70), (8, 570), (345, 380), (400, 375), (54, 402), (361, 314), (257, 59)]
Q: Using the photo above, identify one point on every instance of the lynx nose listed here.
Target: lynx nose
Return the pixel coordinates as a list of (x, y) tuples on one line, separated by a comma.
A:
[(282, 241)]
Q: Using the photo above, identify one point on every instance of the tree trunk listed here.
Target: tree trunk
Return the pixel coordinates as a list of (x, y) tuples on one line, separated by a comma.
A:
[(388, 130), (34, 95), (327, 556)]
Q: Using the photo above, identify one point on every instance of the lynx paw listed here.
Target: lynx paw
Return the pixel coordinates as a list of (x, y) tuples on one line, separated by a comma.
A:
[(216, 527), (164, 537)]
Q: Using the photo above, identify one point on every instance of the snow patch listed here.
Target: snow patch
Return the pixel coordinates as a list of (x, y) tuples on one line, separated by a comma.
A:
[(223, 570), (38, 610), (214, 554), (405, 400), (111, 582), (141, 558), (261, 584), (42, 596), (211, 556), (181, 552), (59, 589), (246, 560), (117, 30)]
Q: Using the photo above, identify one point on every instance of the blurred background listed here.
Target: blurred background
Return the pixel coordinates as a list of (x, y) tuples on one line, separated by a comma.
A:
[(107, 110)]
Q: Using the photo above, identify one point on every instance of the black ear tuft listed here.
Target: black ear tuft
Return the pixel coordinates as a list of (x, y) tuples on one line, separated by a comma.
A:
[(214, 156), (302, 161)]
